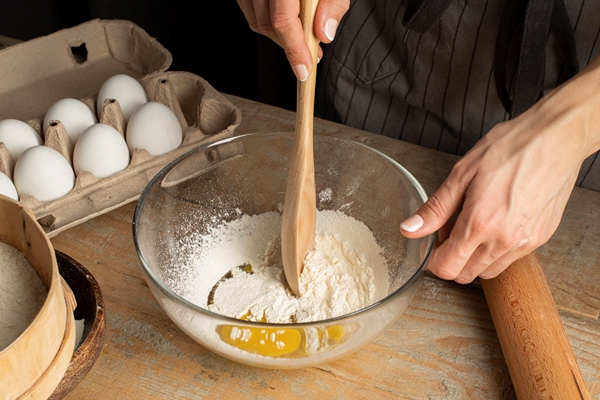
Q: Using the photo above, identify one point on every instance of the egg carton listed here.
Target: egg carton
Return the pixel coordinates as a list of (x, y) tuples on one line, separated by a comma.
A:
[(205, 116), (73, 62)]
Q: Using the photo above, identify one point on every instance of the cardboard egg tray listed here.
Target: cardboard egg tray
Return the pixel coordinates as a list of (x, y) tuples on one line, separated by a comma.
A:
[(74, 63)]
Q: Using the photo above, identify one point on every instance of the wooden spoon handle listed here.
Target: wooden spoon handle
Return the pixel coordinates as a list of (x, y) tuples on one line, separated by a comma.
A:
[(308, 8), (299, 213), (305, 93), (539, 356)]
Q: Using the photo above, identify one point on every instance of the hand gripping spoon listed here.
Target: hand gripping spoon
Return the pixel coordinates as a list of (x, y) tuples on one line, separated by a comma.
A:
[(299, 210)]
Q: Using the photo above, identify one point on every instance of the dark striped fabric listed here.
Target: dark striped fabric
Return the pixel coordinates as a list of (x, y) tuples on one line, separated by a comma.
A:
[(435, 89)]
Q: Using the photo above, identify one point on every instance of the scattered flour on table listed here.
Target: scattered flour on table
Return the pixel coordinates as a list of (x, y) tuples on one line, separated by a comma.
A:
[(345, 272), (22, 294), (326, 195)]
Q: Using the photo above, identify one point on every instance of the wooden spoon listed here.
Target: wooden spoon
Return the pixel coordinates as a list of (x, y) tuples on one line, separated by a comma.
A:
[(299, 210)]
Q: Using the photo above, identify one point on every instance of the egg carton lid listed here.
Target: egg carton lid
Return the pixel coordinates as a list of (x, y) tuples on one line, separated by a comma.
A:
[(74, 62)]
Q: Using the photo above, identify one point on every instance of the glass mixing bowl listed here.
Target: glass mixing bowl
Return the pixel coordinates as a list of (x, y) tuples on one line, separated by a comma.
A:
[(215, 185)]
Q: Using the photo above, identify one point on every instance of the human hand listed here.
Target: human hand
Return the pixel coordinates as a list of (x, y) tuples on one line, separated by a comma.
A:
[(513, 185), (278, 20)]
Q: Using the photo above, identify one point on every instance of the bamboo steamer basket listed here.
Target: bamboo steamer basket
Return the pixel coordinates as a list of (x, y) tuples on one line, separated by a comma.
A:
[(32, 366)]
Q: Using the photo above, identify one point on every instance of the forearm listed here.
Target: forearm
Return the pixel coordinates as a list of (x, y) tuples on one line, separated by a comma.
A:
[(575, 108)]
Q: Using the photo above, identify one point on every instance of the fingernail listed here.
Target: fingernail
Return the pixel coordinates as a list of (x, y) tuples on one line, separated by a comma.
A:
[(301, 72), (330, 28), (412, 224), (318, 60), (463, 279)]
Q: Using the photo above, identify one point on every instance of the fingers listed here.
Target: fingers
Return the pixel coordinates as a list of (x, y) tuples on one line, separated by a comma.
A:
[(437, 210), (479, 243), (450, 257), (279, 20), (463, 264), (328, 16), (255, 12), (286, 23), (486, 248), (291, 37), (488, 262), (444, 231), (514, 184), (498, 266)]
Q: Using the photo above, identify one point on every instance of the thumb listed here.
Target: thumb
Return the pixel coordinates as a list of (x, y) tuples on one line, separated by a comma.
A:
[(436, 211)]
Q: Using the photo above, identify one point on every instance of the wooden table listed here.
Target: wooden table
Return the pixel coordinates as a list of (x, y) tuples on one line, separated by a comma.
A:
[(443, 347)]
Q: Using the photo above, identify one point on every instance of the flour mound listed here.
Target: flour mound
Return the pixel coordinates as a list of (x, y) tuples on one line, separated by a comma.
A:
[(345, 271), (22, 294)]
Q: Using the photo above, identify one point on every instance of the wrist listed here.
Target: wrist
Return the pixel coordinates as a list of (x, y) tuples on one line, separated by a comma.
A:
[(572, 109)]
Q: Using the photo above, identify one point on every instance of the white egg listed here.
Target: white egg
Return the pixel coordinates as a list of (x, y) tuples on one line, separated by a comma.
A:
[(155, 128), (18, 136), (74, 114), (43, 173), (126, 90), (7, 187), (100, 150)]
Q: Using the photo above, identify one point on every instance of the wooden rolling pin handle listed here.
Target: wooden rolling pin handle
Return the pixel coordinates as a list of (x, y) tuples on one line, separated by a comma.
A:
[(535, 345)]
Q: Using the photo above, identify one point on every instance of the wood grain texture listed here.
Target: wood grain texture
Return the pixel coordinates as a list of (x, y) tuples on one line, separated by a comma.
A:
[(444, 346), (299, 218), (34, 361), (533, 340), (90, 309)]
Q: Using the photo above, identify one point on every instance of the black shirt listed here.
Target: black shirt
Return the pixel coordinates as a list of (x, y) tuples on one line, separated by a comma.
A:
[(437, 88)]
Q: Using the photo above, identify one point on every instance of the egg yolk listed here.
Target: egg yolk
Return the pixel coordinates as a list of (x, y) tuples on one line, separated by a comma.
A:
[(335, 333), (269, 342), (276, 342)]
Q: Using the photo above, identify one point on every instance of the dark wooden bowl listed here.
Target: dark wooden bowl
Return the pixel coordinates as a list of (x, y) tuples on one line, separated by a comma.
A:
[(90, 307)]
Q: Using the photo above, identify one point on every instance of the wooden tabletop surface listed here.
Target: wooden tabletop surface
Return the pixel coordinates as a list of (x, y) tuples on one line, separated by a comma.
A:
[(444, 346)]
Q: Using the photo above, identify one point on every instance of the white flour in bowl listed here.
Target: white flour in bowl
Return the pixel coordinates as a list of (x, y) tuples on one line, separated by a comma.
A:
[(22, 294), (344, 273)]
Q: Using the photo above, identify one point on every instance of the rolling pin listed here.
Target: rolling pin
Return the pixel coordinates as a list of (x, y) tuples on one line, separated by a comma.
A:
[(533, 339)]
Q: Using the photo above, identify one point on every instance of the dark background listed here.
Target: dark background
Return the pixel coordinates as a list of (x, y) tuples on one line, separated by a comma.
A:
[(209, 38)]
